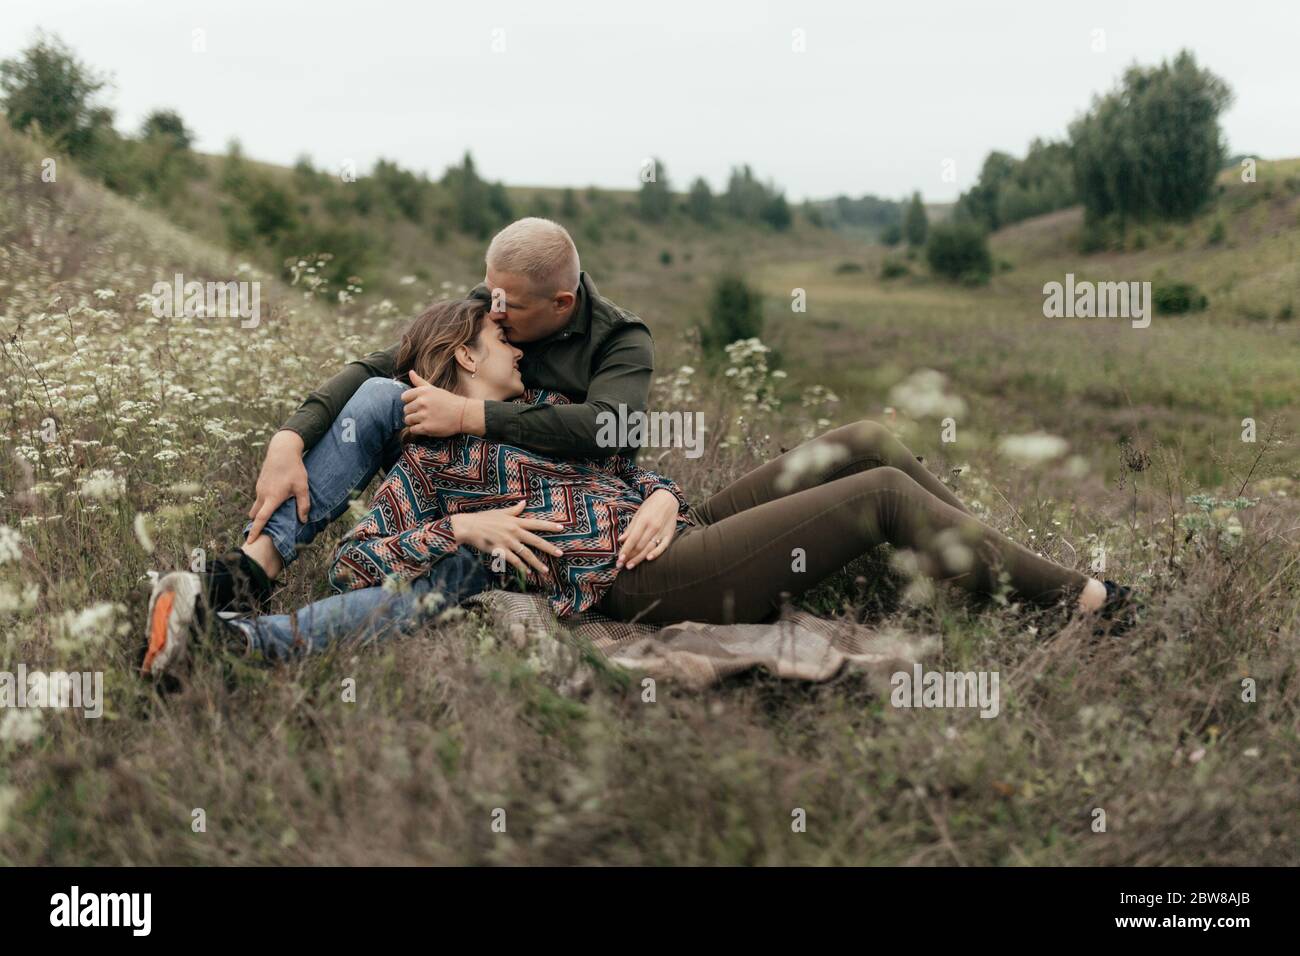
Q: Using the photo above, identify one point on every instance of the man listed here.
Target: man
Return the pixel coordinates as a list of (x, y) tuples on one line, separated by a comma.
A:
[(574, 341)]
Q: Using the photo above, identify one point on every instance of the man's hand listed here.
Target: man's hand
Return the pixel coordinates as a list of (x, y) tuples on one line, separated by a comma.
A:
[(432, 411), (504, 532), (283, 476), (650, 531)]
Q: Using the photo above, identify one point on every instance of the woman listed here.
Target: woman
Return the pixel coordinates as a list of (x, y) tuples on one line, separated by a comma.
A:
[(613, 536)]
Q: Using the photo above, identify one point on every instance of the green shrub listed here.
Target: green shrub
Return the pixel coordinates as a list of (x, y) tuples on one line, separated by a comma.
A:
[(893, 269), (960, 252), (735, 313), (847, 268), (1177, 298)]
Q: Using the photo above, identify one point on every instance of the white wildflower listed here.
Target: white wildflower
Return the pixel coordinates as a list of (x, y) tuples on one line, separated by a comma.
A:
[(1033, 449), (15, 601), (815, 458), (87, 626), (924, 394), (102, 483), (20, 726), (11, 550), (141, 528)]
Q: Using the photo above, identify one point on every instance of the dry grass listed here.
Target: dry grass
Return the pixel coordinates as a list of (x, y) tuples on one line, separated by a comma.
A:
[(456, 723)]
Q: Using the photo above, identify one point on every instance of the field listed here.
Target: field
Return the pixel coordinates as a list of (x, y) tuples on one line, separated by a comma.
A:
[(130, 441)]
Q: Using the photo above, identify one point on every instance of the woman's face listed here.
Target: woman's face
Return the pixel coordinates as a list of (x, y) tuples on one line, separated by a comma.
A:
[(497, 368)]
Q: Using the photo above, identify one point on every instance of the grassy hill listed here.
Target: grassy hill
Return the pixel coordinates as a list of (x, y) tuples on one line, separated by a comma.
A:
[(158, 429)]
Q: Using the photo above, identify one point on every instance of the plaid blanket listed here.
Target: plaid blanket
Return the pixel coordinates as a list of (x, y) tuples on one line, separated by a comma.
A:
[(797, 646)]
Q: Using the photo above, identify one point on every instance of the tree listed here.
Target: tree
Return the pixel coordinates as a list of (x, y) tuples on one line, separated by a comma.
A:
[(499, 204), (915, 224), (161, 159), (469, 195), (569, 205), (776, 213), (745, 197), (699, 201), (655, 198), (1153, 146), (167, 125), (1011, 189), (400, 189), (48, 86), (980, 202)]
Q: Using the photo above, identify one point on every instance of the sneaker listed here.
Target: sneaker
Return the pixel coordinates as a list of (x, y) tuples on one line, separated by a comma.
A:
[(236, 583), (179, 614), (176, 615)]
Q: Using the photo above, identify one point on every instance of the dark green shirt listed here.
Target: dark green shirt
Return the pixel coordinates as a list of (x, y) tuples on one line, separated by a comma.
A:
[(602, 359)]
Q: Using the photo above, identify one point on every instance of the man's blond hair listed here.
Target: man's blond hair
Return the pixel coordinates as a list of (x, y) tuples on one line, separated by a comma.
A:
[(540, 250)]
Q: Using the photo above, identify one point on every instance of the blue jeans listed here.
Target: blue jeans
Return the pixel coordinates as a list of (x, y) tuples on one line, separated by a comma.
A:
[(362, 439), (367, 613)]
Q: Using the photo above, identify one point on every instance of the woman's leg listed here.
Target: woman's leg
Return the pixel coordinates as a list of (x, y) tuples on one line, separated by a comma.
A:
[(738, 568), (367, 613), (842, 451)]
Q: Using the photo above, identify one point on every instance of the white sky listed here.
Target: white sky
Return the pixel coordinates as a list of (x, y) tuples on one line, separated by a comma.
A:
[(584, 91)]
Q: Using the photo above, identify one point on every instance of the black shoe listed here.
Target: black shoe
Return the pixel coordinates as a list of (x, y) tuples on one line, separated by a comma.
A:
[(236, 584), (1119, 611)]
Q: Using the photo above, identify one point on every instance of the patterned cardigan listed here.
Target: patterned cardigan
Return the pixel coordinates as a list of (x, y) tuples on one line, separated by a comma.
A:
[(409, 529)]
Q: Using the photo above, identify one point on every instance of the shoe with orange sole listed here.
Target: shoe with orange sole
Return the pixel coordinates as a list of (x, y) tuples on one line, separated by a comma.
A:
[(176, 614)]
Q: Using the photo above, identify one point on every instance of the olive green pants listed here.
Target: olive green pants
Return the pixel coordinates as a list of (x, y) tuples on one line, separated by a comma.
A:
[(790, 523)]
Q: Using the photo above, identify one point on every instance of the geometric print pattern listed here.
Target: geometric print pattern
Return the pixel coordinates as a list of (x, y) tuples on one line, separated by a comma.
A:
[(409, 529)]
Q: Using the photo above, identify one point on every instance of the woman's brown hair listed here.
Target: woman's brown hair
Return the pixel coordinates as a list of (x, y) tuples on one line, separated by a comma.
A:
[(429, 345)]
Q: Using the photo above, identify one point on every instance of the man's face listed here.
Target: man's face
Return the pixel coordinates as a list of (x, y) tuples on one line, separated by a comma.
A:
[(527, 316)]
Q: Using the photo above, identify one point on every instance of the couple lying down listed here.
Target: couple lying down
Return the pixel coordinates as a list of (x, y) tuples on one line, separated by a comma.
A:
[(460, 513)]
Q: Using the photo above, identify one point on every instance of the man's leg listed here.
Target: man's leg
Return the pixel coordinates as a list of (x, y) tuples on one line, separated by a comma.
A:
[(367, 613), (361, 441)]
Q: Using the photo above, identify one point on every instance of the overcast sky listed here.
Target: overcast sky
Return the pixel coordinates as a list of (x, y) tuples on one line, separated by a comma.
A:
[(579, 93)]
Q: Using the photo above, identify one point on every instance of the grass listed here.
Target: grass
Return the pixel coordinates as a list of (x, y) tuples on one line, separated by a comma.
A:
[(451, 727)]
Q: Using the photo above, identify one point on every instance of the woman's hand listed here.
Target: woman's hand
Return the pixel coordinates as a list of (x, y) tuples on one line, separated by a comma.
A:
[(503, 532), (650, 531)]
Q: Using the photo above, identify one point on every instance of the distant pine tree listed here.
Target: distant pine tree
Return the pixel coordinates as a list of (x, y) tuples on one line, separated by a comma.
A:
[(655, 199), (915, 223), (699, 201), (569, 206)]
